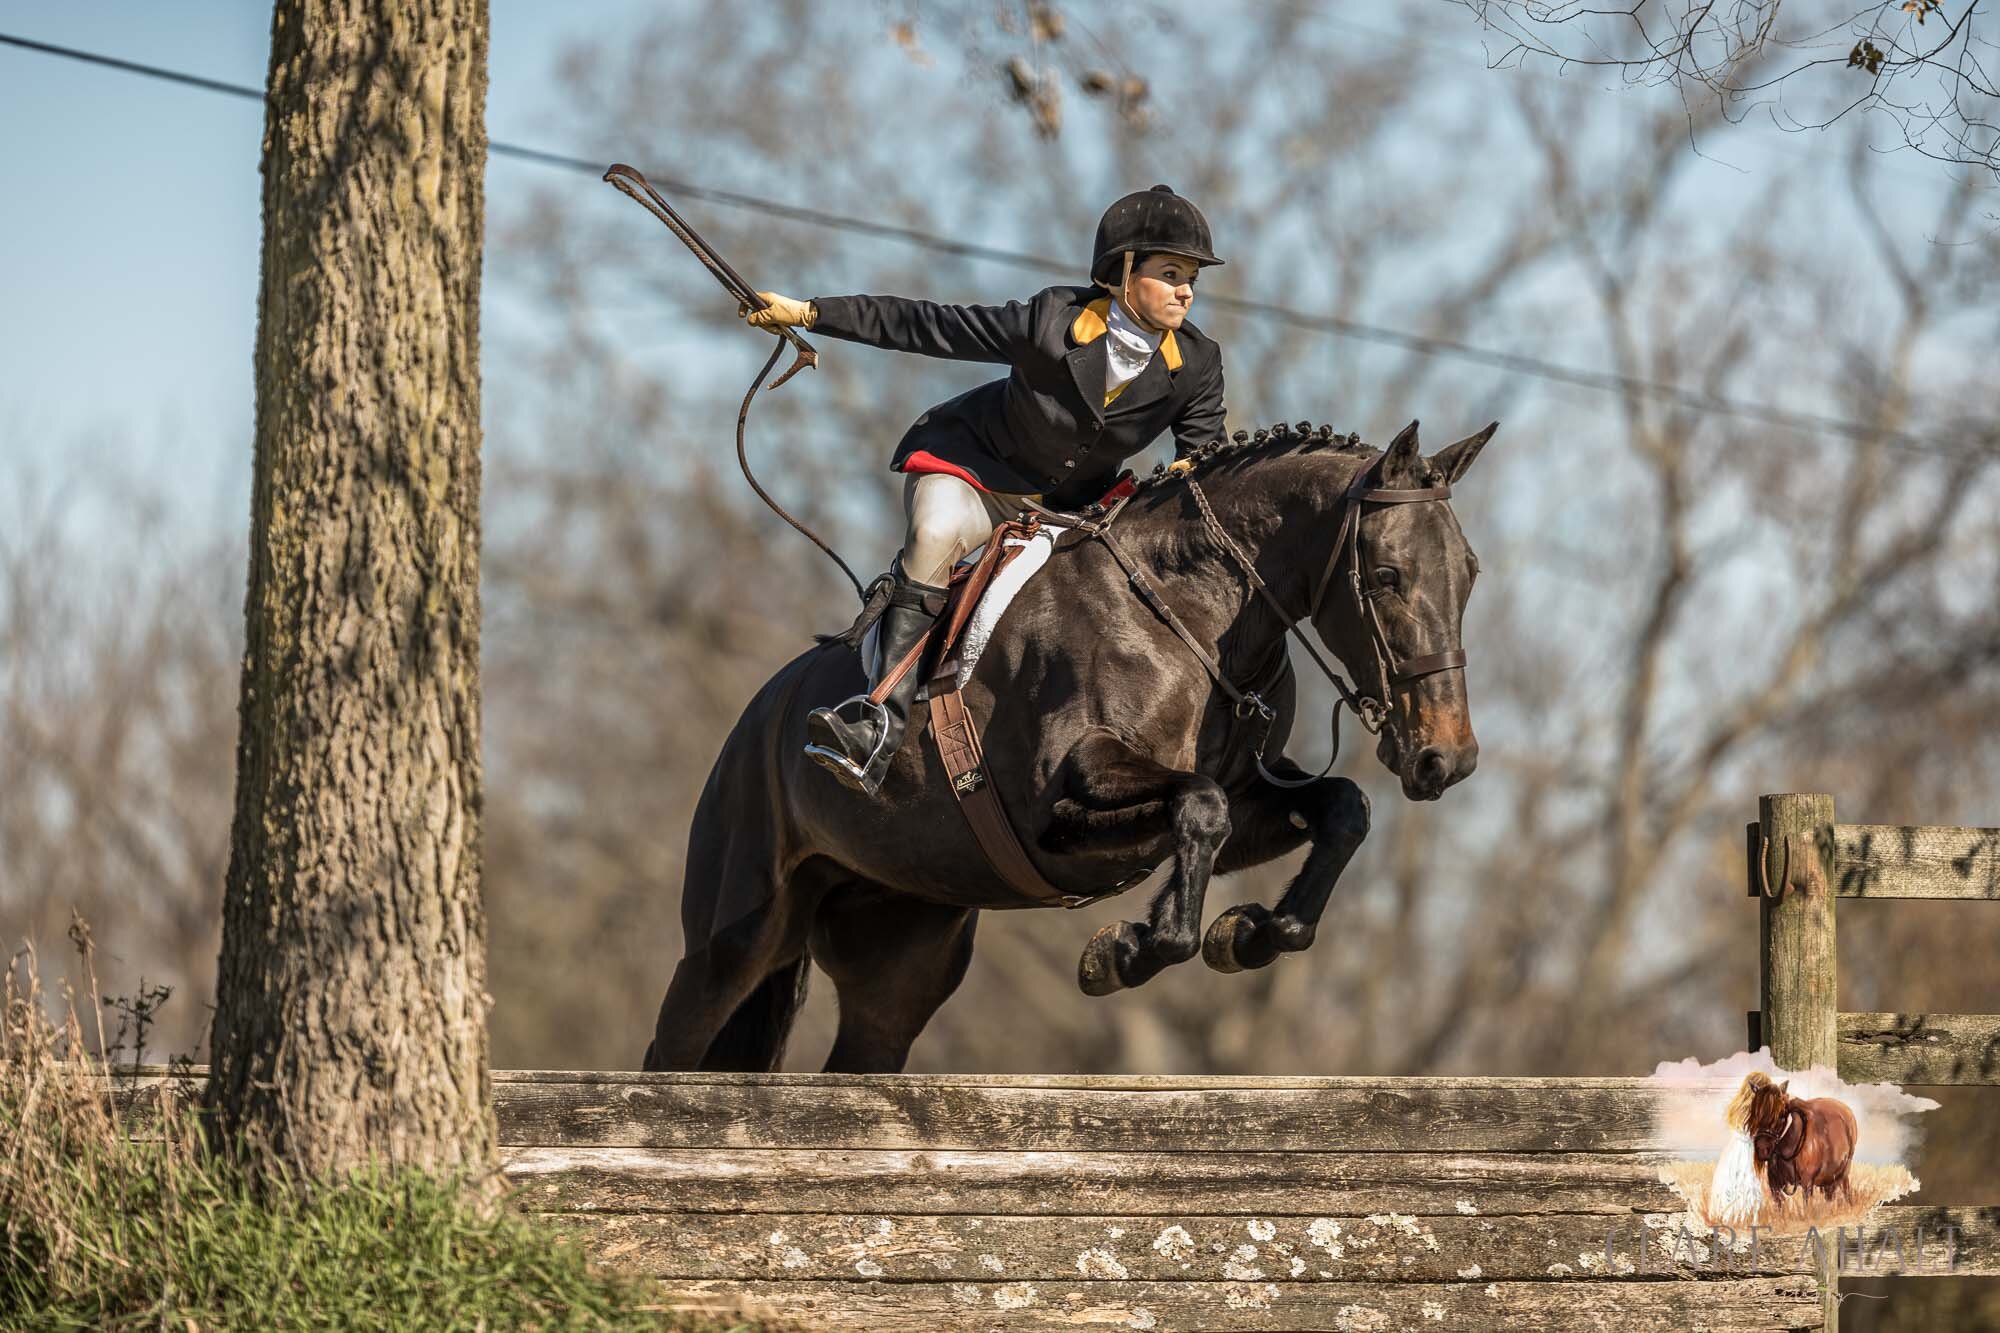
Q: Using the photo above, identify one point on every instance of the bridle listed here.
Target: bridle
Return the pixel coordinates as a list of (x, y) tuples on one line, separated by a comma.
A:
[(1371, 711)]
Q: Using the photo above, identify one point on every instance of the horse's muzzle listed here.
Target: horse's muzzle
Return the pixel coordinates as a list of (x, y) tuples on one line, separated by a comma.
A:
[(1429, 770)]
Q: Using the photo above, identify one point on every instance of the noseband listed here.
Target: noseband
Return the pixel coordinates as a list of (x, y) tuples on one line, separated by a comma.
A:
[(1372, 711)]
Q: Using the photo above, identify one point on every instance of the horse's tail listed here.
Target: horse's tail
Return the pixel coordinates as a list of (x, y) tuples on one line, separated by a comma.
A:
[(753, 1040)]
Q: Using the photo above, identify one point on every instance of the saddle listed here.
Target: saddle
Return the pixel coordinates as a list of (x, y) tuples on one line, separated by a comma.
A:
[(950, 651), (1028, 550)]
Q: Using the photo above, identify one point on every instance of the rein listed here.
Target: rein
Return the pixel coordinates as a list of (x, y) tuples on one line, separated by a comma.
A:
[(1372, 712)]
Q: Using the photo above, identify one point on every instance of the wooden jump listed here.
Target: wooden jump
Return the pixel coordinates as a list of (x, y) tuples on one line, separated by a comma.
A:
[(909, 1202), (979, 1202), (973, 1202)]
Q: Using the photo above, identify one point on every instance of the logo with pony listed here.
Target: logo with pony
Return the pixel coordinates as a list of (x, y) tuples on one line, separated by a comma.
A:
[(1793, 1151)]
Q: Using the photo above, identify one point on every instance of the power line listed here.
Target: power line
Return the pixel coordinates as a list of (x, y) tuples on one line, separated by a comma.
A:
[(134, 67), (1706, 404)]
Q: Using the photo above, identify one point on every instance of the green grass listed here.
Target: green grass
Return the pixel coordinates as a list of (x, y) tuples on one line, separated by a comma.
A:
[(158, 1245), (107, 1231)]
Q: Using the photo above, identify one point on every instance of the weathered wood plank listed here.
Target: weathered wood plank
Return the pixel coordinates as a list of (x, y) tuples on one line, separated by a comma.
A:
[(1721, 1306), (1920, 1048), (1375, 1117), (1035, 1183), (1972, 1247), (1902, 861), (1102, 1082), (1186, 1115), (1391, 1247)]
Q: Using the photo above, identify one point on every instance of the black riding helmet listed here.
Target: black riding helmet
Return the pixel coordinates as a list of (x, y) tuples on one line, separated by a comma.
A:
[(1146, 221)]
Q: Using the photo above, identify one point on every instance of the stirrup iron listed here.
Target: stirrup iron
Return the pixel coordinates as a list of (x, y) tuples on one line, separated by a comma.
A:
[(868, 774)]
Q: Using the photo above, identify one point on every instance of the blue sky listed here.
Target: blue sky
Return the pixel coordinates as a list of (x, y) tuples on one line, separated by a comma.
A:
[(130, 226), (130, 221)]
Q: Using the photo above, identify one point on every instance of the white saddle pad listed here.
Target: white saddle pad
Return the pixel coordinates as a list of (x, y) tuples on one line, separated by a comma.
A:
[(999, 596)]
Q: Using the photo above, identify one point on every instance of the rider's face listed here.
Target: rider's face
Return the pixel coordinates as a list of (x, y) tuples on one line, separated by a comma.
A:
[(1162, 289)]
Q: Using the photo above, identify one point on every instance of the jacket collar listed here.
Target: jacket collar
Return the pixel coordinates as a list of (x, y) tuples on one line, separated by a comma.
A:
[(1092, 321)]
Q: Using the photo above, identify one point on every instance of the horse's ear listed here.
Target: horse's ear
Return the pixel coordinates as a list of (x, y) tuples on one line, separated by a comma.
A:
[(1785, 1086), (1399, 461), (1454, 459)]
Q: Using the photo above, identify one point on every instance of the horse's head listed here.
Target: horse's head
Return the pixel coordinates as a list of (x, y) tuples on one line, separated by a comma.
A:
[(1415, 573), (1759, 1105), (1743, 1105)]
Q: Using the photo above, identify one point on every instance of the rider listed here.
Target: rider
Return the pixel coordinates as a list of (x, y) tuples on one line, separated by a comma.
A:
[(1097, 373)]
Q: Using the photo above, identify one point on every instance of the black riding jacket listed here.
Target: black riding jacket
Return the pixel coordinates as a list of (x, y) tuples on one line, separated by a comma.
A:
[(1045, 428)]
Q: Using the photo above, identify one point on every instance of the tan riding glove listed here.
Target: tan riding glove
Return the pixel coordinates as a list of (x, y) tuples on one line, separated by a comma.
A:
[(780, 312), (1179, 466)]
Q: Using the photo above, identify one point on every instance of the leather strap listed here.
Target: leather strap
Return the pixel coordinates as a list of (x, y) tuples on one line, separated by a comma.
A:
[(1347, 539), (932, 599), (902, 668), (1247, 703), (1158, 606), (1418, 667)]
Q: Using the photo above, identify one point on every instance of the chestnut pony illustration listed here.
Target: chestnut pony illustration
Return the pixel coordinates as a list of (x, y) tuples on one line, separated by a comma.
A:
[(1805, 1145)]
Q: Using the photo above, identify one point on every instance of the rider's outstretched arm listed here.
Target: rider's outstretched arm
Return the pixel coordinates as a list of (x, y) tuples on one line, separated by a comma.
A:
[(996, 333)]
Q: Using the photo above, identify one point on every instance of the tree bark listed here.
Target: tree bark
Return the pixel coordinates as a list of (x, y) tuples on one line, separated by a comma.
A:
[(350, 1020)]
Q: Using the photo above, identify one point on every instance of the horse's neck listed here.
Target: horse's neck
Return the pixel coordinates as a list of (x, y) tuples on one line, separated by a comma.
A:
[(1792, 1110), (1282, 513)]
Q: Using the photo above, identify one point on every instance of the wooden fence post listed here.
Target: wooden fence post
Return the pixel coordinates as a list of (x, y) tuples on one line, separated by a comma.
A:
[(1796, 941), (1796, 955)]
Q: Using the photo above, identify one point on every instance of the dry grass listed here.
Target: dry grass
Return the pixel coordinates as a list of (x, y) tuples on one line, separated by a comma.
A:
[(108, 1225), (1872, 1185)]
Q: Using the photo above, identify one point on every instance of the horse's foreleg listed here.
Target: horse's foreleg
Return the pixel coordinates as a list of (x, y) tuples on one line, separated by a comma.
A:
[(1118, 789), (1271, 821)]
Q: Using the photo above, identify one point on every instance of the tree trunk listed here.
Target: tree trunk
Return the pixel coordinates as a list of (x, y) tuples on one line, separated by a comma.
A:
[(350, 1020)]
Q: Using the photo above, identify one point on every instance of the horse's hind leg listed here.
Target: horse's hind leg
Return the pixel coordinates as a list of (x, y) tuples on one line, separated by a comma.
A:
[(895, 960), (1271, 821), (733, 997), (1117, 790), (716, 979)]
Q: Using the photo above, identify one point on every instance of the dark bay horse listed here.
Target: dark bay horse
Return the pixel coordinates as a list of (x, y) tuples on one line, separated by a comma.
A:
[(1110, 746)]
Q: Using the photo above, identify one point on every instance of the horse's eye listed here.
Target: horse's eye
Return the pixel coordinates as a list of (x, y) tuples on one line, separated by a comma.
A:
[(1388, 578)]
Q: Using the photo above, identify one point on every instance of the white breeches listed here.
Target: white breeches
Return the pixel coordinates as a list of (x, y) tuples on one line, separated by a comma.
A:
[(948, 518)]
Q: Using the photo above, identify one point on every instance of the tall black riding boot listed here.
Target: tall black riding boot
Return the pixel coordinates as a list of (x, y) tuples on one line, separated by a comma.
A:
[(855, 738)]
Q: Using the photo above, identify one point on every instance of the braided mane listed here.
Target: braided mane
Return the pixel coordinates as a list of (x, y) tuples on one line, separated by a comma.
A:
[(1245, 447)]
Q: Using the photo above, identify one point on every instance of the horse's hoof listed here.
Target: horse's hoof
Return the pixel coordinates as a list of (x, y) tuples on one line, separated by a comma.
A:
[(1097, 969), (1221, 946)]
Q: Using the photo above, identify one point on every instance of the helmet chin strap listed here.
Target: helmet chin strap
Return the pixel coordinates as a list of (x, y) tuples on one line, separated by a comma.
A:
[(1125, 299)]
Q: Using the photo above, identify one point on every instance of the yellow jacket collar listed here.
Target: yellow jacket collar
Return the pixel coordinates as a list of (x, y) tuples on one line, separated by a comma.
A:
[(1092, 321)]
